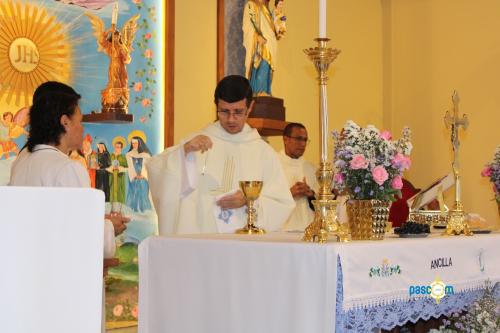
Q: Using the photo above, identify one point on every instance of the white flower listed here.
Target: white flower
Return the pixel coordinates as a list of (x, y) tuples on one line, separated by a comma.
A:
[(372, 129)]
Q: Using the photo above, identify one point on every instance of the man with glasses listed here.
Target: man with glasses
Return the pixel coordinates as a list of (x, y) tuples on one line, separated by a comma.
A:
[(195, 184), (300, 175)]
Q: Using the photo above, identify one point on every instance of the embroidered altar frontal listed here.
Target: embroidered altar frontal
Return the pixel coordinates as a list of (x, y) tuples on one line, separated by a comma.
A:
[(376, 273)]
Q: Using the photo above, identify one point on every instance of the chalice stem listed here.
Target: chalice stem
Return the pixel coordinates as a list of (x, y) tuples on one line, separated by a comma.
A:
[(251, 214)]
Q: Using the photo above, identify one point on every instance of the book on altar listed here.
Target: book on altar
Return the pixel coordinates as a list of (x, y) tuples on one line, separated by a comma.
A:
[(431, 192)]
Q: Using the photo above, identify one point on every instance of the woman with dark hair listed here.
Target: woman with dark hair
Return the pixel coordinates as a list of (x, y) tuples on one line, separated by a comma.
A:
[(101, 175), (55, 129), (138, 189)]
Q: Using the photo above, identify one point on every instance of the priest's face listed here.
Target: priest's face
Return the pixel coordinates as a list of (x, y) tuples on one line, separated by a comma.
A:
[(233, 116), (295, 144)]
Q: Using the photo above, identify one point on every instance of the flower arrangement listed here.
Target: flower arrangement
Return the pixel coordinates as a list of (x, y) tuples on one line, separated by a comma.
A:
[(369, 164), (492, 171), (482, 316)]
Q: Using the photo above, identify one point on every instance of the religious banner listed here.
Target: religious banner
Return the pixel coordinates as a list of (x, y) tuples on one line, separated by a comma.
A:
[(92, 45)]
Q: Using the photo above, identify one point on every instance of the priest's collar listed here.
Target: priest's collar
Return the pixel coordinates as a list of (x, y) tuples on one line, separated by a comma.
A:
[(290, 160), (247, 134)]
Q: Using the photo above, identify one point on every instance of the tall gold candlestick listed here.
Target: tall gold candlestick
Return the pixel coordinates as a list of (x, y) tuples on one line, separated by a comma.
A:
[(456, 223), (325, 218)]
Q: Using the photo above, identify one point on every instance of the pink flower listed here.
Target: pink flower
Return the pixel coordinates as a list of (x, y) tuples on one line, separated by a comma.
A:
[(146, 102), (401, 161), (338, 178), (137, 1), (135, 311), (142, 119), (397, 183), (486, 171), (138, 86), (358, 162), (148, 54), (118, 310), (379, 174), (147, 36), (386, 135)]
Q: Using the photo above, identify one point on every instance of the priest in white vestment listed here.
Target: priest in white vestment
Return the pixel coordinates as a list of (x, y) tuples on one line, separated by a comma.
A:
[(195, 184), (300, 175)]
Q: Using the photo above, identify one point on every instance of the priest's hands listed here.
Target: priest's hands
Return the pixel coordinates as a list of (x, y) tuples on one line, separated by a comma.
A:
[(301, 189), (199, 142), (231, 201)]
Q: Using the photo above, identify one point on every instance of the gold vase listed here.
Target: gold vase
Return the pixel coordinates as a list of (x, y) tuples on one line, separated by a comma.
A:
[(367, 218)]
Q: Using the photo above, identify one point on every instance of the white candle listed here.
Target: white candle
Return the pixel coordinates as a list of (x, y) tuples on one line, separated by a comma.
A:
[(322, 18), (114, 15)]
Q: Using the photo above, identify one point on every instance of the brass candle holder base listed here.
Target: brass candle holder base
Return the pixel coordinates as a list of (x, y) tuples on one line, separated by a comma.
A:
[(325, 218), (457, 224), (251, 191), (325, 223)]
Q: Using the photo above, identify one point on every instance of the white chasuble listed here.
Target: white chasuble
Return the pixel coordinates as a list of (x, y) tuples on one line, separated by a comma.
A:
[(186, 187), (296, 170)]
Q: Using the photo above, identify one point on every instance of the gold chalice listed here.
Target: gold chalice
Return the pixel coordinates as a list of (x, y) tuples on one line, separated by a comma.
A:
[(251, 190)]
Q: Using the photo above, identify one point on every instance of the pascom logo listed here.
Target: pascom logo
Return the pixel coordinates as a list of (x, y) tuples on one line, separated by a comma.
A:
[(437, 290)]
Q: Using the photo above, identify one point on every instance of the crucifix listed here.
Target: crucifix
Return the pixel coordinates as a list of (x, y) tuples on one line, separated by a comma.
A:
[(456, 222), (454, 121)]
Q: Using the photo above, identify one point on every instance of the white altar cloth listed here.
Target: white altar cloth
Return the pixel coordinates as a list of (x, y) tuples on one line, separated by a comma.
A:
[(51, 268), (276, 283), (209, 285)]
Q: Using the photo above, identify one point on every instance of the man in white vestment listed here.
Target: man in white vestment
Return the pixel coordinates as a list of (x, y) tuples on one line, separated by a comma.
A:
[(300, 175), (195, 184)]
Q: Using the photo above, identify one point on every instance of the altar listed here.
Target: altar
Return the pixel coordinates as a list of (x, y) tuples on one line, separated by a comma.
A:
[(277, 283)]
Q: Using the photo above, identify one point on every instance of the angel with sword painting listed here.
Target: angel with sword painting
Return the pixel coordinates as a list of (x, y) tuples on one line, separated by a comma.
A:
[(117, 45)]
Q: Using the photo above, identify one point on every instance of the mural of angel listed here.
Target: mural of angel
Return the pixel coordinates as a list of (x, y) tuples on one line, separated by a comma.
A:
[(117, 45), (12, 127)]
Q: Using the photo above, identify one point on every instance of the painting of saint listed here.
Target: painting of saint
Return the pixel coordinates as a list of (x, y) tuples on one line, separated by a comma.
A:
[(138, 190)]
